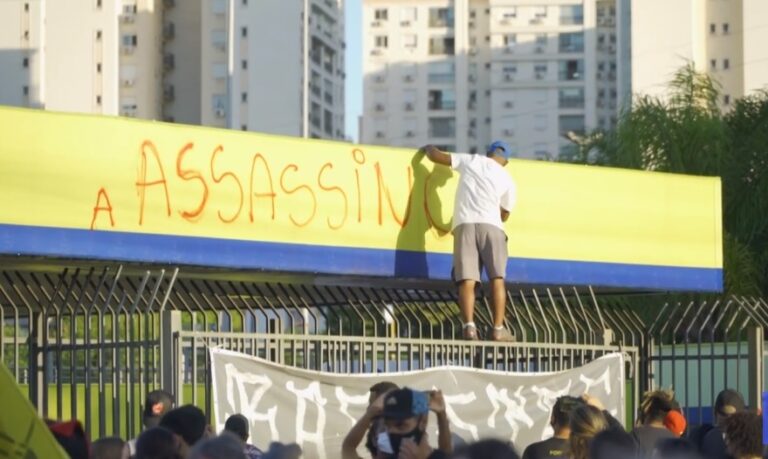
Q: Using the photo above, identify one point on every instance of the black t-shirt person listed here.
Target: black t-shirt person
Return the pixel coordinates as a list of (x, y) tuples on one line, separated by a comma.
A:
[(551, 448)]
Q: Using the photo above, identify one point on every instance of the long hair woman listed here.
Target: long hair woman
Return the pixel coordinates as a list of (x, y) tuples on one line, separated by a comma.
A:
[(586, 422)]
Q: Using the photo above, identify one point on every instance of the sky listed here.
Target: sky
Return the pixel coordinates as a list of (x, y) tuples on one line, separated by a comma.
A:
[(353, 12)]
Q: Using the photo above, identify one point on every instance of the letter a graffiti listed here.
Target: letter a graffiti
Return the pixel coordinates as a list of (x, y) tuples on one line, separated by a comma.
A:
[(244, 405), (312, 394)]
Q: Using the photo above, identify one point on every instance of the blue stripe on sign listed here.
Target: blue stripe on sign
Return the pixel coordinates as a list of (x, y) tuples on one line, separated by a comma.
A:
[(271, 256), (765, 418)]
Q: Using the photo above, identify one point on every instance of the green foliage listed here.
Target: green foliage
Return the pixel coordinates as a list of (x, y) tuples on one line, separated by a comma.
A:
[(686, 132)]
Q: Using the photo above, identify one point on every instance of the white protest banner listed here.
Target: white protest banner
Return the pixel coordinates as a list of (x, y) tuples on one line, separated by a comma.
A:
[(317, 409)]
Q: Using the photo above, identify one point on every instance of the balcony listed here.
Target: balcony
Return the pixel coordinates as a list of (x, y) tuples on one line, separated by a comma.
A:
[(169, 31), (169, 62), (169, 93)]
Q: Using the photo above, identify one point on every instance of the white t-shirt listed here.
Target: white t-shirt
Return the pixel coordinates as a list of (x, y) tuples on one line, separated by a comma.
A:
[(484, 189)]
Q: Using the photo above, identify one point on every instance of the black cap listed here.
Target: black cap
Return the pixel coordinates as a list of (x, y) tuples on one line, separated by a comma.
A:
[(405, 403)]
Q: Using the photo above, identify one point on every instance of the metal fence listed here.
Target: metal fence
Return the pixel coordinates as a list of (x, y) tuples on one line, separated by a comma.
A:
[(699, 348), (90, 343)]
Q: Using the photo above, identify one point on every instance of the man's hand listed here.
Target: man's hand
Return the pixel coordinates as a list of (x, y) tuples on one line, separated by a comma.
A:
[(377, 407), (593, 401), (504, 215), (436, 156), (410, 450), (437, 402)]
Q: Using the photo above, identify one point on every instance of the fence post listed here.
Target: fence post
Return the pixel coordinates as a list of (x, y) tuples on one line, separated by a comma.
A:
[(170, 324), (36, 365), (755, 357)]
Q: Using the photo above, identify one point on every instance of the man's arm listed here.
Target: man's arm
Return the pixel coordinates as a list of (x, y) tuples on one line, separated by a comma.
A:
[(436, 156), (437, 404), (358, 431)]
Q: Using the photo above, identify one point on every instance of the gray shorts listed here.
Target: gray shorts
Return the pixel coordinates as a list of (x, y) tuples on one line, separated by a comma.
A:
[(478, 245)]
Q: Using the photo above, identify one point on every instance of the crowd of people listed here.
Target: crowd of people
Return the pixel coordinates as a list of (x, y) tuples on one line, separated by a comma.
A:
[(395, 426)]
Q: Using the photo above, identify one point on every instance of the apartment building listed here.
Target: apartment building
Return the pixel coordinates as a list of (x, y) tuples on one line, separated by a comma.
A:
[(725, 38), (461, 73), (253, 65)]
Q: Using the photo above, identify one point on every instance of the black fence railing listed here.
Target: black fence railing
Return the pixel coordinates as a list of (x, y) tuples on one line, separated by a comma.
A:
[(90, 343)]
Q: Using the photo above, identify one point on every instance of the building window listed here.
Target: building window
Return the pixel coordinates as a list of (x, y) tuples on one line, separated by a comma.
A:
[(328, 122), (509, 71), (219, 6), (243, 127), (25, 62), (98, 35), (509, 12), (713, 64), (441, 72), (98, 100), (442, 127), (244, 97), (98, 67), (571, 15), (26, 7), (409, 41), (328, 60), (244, 32), (727, 99), (130, 40), (571, 123), (219, 39), (510, 40), (571, 98), (572, 42), (244, 64), (442, 99), (540, 12), (441, 17), (98, 3), (381, 41), (219, 104), (380, 14), (572, 70), (540, 70), (219, 71), (441, 45), (726, 28), (408, 14), (726, 64), (25, 90)]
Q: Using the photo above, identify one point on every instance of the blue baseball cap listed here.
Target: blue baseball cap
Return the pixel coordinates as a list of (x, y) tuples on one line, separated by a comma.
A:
[(405, 403), (498, 144)]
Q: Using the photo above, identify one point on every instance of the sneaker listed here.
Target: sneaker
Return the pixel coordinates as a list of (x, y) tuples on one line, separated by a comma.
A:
[(502, 335), (470, 333)]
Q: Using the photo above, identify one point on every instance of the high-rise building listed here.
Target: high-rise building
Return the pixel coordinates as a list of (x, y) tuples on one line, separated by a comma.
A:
[(256, 65), (724, 38), (459, 73)]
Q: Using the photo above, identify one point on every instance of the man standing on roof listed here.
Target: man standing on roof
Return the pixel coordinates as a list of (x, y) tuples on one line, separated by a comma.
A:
[(484, 198)]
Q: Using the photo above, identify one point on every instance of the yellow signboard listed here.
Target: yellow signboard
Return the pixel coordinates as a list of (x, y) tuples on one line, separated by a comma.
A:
[(114, 188), (22, 433)]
